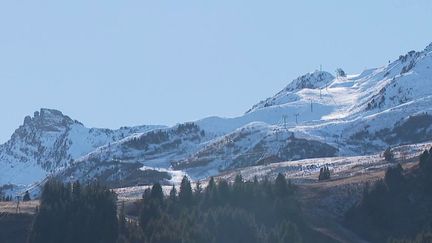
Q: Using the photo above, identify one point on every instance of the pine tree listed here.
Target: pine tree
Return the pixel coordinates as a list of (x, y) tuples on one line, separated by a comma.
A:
[(324, 173), (394, 177), (185, 193), (173, 193), (238, 180), (26, 197), (388, 155), (198, 188), (424, 159), (238, 184), (157, 193), (76, 189), (281, 185), (211, 185), (223, 190)]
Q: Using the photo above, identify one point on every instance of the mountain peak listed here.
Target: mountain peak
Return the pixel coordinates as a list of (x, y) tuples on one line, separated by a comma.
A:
[(49, 112), (312, 80), (48, 117)]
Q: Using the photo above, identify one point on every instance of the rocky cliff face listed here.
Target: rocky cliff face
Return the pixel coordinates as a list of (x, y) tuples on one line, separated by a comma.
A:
[(42, 139), (50, 141)]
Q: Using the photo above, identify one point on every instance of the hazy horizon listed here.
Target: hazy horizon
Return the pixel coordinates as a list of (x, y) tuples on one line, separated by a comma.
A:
[(113, 64)]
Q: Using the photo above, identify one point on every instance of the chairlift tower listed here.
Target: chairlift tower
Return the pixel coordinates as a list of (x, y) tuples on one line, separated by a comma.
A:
[(285, 122), (311, 105), (18, 209)]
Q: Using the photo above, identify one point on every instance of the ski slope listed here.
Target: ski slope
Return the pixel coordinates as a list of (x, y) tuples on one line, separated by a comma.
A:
[(350, 116)]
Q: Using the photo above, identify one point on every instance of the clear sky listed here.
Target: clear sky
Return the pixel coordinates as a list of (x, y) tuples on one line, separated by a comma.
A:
[(114, 63)]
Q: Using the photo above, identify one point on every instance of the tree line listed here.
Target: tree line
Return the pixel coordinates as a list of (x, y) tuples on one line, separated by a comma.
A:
[(397, 208), (241, 211), (70, 213)]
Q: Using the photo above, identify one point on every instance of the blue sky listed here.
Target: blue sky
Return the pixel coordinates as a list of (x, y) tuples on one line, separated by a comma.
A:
[(115, 63)]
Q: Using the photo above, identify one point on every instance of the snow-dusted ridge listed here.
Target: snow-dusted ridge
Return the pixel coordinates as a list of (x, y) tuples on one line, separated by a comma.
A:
[(315, 115), (50, 141), (314, 80)]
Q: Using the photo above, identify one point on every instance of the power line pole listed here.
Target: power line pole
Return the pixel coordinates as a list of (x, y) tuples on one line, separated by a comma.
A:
[(285, 121), (311, 106), (18, 210)]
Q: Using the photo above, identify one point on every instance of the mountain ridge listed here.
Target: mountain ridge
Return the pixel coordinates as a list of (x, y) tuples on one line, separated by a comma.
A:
[(344, 115), (49, 141)]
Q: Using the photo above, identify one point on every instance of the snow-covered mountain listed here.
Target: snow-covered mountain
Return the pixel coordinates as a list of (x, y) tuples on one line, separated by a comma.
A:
[(316, 115), (140, 158), (315, 80), (253, 144), (50, 141)]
